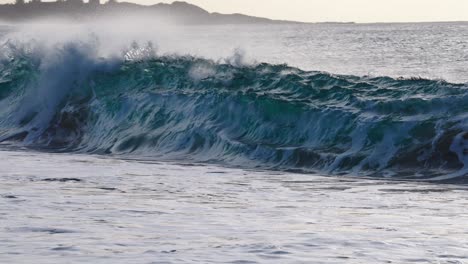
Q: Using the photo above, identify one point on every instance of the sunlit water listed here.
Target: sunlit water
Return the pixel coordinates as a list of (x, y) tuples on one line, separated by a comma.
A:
[(426, 50), (57, 208), (436, 51)]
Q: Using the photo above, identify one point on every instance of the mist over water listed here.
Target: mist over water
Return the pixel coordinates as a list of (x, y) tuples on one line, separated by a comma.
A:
[(426, 50)]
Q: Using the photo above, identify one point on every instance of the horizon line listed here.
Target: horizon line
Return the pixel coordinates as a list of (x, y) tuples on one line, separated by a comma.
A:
[(104, 3)]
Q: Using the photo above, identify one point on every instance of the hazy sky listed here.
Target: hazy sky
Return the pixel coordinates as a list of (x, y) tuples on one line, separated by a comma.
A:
[(341, 10), (337, 10)]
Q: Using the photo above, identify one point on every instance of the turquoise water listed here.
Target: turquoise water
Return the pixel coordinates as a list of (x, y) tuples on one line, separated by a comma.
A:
[(260, 115)]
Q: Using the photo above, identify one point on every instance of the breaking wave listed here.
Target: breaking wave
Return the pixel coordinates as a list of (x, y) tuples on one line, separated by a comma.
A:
[(263, 116)]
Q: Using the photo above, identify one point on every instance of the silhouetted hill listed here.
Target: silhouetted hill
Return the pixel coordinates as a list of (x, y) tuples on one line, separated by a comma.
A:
[(75, 10)]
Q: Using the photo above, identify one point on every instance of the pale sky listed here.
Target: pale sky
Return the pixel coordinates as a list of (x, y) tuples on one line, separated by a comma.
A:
[(340, 10), (337, 10)]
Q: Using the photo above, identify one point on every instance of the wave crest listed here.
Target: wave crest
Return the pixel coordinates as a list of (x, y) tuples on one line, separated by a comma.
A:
[(263, 115)]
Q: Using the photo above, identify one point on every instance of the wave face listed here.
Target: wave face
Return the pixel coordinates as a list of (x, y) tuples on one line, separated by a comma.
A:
[(263, 116)]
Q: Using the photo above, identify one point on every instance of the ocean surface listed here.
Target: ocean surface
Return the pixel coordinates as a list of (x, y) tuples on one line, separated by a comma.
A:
[(62, 208), (325, 143)]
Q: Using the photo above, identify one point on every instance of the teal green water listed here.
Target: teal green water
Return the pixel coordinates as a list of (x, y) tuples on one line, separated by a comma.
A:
[(263, 115)]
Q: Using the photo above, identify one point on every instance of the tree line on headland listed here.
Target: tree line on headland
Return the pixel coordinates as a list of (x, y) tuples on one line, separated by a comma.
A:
[(79, 11)]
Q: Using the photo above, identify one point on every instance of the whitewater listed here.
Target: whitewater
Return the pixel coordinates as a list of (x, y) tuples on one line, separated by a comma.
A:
[(321, 143)]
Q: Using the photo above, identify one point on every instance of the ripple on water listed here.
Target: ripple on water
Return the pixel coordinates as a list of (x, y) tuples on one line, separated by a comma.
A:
[(62, 180), (47, 230)]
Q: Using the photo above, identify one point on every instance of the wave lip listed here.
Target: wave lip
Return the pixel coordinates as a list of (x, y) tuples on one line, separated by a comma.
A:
[(268, 116)]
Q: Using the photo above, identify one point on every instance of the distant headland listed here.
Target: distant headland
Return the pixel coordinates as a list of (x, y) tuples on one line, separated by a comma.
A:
[(78, 10)]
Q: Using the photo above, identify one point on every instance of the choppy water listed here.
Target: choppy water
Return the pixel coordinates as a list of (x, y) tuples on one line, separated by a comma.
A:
[(434, 51), (87, 209), (348, 101)]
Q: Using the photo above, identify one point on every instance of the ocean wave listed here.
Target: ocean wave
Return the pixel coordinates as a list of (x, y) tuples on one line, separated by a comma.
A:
[(262, 115)]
